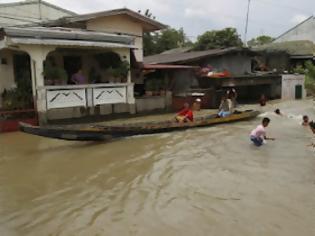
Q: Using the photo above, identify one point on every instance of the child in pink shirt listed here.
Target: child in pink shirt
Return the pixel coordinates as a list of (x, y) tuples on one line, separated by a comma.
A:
[(258, 135)]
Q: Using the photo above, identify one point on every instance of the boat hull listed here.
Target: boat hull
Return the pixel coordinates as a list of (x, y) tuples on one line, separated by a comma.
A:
[(100, 133)]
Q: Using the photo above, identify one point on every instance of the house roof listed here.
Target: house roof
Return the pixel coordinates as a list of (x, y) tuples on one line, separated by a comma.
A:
[(64, 37), (184, 57), (30, 2), (148, 23), (293, 28), (293, 48)]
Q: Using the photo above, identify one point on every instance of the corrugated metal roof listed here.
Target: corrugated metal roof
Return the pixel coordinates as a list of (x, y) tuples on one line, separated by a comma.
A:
[(21, 3), (66, 34), (66, 43), (294, 48), (184, 57)]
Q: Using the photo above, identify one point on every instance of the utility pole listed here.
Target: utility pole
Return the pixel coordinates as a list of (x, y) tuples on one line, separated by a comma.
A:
[(246, 25)]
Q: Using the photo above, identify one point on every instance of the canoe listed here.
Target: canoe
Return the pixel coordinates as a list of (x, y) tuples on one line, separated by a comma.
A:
[(102, 132)]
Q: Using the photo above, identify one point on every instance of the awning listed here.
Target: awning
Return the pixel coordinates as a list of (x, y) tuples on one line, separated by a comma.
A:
[(65, 43)]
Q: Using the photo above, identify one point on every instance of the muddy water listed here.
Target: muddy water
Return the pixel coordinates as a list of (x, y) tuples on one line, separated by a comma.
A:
[(208, 181)]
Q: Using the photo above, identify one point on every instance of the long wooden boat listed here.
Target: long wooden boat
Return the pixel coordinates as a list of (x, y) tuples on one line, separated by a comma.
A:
[(101, 132)]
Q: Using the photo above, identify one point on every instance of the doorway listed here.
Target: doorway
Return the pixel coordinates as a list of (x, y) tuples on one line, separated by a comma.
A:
[(298, 92)]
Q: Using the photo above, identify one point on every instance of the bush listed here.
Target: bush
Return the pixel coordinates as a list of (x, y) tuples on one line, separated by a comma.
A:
[(299, 69), (310, 77)]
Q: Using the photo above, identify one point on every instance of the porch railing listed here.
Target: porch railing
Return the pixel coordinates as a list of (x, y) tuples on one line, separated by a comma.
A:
[(89, 95)]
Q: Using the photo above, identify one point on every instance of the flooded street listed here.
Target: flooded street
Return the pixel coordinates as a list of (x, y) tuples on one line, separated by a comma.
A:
[(208, 181)]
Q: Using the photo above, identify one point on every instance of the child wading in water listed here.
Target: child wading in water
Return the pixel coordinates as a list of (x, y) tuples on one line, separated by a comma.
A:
[(258, 135)]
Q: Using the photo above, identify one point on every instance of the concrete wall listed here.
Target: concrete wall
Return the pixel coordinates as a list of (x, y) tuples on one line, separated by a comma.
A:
[(6, 71), (304, 31), (28, 13), (237, 64), (147, 104), (120, 24), (288, 85)]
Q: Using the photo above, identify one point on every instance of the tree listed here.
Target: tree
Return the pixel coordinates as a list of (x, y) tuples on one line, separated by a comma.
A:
[(225, 38), (260, 40), (155, 43)]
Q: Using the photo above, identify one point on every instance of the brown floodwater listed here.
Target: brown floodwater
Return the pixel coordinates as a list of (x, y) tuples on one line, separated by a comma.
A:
[(208, 181)]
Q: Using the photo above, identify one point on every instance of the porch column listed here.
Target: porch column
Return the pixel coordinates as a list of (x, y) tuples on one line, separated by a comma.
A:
[(130, 91), (38, 55)]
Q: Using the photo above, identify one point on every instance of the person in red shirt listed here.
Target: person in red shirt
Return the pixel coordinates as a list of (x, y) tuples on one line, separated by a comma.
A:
[(185, 115)]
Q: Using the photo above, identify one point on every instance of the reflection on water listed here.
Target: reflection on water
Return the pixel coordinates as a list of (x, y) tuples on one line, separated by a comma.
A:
[(208, 181)]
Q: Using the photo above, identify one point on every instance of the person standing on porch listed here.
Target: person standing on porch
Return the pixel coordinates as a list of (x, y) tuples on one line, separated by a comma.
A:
[(78, 78)]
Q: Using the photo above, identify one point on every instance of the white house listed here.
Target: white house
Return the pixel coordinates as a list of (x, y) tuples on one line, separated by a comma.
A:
[(75, 40)]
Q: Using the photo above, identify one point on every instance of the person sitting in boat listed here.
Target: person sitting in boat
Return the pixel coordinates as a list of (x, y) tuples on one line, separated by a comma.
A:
[(258, 135), (185, 115), (226, 107), (306, 121), (232, 94)]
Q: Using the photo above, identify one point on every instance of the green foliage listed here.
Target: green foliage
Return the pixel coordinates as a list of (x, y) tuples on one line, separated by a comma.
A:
[(225, 38), (108, 59), (20, 97), (310, 77), (55, 73), (299, 69), (155, 43), (260, 40), (121, 71)]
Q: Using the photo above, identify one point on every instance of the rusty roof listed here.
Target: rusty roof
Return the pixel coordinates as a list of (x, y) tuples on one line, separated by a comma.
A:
[(185, 57)]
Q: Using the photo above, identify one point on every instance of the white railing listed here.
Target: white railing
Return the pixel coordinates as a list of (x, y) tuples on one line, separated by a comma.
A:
[(90, 95)]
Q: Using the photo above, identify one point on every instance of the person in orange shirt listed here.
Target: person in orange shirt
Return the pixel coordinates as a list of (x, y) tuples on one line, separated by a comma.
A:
[(185, 115)]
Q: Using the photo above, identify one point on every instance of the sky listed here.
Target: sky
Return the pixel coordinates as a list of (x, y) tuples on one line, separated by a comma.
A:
[(268, 17)]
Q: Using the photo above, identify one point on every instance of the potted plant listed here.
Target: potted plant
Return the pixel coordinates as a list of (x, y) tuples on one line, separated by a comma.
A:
[(55, 75), (61, 76)]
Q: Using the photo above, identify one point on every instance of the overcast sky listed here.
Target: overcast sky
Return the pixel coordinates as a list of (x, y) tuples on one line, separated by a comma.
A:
[(270, 17)]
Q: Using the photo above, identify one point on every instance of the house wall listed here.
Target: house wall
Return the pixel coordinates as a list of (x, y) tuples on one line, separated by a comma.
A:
[(120, 24), (236, 64), (288, 85), (28, 13), (304, 31), (6, 71), (88, 61)]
